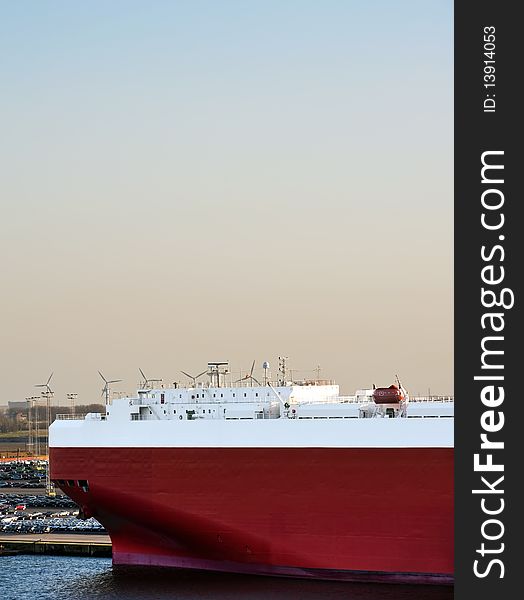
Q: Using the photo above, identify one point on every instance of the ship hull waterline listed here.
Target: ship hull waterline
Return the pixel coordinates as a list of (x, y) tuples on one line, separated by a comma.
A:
[(357, 514)]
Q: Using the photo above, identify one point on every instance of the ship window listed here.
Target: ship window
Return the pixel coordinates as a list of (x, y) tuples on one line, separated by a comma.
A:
[(245, 394), (214, 395), (192, 396), (198, 396), (256, 394), (233, 395), (221, 395), (84, 484), (61, 482), (70, 483)]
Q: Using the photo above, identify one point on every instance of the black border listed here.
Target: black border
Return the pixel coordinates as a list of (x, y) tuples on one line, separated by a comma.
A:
[(475, 132)]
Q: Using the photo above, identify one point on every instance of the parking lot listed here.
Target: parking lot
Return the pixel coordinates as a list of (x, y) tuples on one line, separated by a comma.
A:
[(25, 474), (26, 509)]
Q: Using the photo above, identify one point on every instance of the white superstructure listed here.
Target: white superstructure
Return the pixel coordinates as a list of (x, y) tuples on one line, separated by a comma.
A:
[(286, 413)]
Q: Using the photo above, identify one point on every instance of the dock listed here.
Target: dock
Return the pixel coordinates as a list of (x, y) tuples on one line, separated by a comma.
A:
[(57, 544)]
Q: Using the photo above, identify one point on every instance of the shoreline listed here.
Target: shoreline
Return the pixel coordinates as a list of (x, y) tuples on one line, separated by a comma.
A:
[(56, 544)]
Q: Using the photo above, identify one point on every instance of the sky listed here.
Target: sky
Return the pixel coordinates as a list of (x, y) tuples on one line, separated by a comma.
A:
[(188, 181)]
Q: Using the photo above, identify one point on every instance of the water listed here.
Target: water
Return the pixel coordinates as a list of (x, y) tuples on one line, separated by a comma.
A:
[(78, 578)]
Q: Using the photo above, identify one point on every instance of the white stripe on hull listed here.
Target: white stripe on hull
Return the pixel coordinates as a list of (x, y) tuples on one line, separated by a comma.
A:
[(270, 433)]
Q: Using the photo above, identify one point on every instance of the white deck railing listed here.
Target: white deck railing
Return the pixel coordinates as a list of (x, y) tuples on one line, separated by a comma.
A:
[(70, 417)]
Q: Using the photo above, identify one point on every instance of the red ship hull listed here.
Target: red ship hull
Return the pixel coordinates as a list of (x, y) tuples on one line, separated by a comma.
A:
[(330, 513)]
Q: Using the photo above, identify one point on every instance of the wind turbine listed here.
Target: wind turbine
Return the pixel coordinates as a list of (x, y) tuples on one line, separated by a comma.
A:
[(45, 385), (249, 376), (195, 377), (105, 389), (48, 394), (146, 382)]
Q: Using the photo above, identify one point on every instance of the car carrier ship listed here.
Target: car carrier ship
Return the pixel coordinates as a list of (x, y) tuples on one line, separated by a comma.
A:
[(267, 477)]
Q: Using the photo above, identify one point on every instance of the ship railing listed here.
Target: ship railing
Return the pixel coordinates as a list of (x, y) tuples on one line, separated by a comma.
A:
[(81, 417), (350, 399), (332, 400), (432, 399), (70, 417), (198, 401), (233, 384)]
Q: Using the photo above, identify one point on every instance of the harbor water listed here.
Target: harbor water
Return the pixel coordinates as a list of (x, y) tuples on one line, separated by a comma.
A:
[(32, 577)]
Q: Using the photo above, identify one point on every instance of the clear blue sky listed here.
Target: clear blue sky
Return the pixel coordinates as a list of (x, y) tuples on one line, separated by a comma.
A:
[(163, 162)]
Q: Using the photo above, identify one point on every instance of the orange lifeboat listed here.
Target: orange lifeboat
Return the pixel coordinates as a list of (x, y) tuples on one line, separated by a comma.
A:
[(390, 395)]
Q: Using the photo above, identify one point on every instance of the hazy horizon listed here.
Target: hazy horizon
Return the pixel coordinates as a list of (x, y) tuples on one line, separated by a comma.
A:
[(185, 182)]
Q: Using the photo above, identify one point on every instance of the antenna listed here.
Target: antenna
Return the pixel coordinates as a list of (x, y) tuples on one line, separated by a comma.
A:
[(194, 377), (106, 388), (249, 376), (146, 383), (282, 369), (265, 366)]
